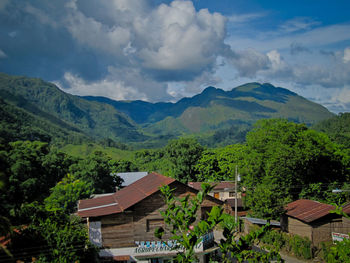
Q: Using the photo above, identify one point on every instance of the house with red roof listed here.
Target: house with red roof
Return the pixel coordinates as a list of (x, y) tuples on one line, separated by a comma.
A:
[(122, 224), (222, 190), (225, 191), (314, 220)]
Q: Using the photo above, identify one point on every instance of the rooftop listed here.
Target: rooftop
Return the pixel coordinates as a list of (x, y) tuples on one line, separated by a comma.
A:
[(308, 210), (225, 185), (129, 178), (125, 198)]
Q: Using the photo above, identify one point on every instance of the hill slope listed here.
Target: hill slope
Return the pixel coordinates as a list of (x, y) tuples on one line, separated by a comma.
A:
[(18, 124), (71, 112), (214, 116), (215, 110)]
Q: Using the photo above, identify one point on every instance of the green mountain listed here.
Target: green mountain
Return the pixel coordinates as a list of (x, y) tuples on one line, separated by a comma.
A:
[(216, 114), (32, 108), (69, 112), (18, 124)]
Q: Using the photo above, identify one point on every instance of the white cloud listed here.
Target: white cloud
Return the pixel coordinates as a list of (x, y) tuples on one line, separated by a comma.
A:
[(276, 60), (316, 37), (95, 34), (299, 24), (346, 57), (2, 54), (244, 18), (107, 87), (40, 15), (178, 38), (248, 62)]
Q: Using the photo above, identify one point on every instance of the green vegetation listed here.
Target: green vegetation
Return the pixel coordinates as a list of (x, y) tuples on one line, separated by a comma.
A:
[(187, 231), (337, 128), (45, 100), (57, 148), (183, 154), (215, 117), (300, 247)]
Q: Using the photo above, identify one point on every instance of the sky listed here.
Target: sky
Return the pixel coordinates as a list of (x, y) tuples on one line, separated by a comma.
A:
[(165, 50)]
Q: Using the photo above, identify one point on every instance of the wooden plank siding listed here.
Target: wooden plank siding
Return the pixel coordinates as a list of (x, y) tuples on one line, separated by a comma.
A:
[(319, 230), (139, 221)]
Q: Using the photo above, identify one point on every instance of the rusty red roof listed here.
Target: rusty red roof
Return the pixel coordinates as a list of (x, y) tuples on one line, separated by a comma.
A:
[(346, 208), (308, 210), (218, 185), (231, 202), (125, 198)]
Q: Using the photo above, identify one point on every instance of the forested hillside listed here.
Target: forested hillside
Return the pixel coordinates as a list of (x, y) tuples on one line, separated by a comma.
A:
[(45, 100), (215, 117)]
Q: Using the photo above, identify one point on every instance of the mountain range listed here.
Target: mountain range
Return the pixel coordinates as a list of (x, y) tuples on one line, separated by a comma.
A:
[(215, 116)]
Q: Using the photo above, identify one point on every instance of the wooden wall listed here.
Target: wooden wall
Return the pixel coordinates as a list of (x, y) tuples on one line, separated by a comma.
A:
[(322, 229), (138, 223), (319, 230), (300, 228), (117, 230)]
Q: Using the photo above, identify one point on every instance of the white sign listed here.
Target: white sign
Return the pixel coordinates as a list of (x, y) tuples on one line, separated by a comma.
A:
[(339, 237), (95, 235), (206, 242)]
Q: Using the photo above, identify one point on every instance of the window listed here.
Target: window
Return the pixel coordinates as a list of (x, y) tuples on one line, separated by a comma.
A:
[(217, 195), (232, 194), (153, 224)]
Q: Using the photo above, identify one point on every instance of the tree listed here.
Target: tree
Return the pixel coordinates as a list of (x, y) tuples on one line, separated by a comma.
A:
[(287, 157), (66, 193), (184, 154), (52, 237), (31, 171), (219, 164), (187, 230), (96, 169)]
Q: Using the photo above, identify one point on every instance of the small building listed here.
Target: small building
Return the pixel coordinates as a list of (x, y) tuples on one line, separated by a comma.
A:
[(250, 224), (122, 224), (312, 219), (222, 190), (225, 191)]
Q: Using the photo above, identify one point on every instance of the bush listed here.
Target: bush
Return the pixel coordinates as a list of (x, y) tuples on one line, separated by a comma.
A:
[(300, 246)]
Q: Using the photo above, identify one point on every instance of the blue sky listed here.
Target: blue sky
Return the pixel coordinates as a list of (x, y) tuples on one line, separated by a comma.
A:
[(165, 50)]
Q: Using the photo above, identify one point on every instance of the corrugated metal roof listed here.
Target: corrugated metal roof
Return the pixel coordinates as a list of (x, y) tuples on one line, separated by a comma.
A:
[(125, 198), (129, 178), (259, 221), (346, 208), (231, 202), (218, 185), (308, 210)]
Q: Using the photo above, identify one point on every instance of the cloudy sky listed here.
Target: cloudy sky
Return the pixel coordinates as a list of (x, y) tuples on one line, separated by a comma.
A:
[(158, 50)]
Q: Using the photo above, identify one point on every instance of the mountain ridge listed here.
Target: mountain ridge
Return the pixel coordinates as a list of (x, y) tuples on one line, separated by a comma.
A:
[(214, 115)]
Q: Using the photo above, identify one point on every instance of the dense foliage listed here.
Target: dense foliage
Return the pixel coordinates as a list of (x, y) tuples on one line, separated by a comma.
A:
[(181, 217), (337, 128), (41, 187), (280, 161), (300, 247), (32, 109)]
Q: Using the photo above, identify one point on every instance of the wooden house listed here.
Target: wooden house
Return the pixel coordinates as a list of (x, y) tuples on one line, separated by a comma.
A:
[(312, 219), (225, 191), (122, 224), (222, 190)]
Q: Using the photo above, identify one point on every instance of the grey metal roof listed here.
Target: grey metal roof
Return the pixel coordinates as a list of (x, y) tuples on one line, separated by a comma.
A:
[(260, 221), (129, 178)]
